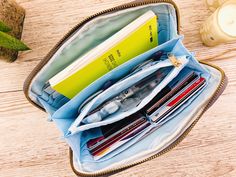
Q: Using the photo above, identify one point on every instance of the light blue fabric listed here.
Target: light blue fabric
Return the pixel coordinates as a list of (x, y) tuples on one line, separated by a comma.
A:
[(65, 111)]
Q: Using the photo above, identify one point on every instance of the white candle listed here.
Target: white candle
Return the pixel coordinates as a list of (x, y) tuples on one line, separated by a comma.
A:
[(220, 27), (227, 19)]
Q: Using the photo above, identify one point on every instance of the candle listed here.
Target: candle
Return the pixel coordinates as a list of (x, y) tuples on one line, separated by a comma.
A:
[(214, 4), (220, 27)]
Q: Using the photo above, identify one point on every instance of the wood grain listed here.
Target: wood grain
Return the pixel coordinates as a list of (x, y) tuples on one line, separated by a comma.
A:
[(31, 147)]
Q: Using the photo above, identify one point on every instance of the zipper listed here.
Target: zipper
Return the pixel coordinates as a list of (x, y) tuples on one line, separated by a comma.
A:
[(173, 60), (214, 97)]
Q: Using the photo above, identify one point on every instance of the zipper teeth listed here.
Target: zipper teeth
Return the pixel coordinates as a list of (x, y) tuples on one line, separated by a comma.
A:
[(170, 147), (73, 30)]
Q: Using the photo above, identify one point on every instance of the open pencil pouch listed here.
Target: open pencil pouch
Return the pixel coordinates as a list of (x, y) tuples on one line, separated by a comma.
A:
[(156, 138)]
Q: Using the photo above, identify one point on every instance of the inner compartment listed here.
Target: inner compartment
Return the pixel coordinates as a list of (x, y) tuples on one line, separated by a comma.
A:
[(136, 149), (64, 111), (180, 119), (87, 37), (93, 130), (119, 87)]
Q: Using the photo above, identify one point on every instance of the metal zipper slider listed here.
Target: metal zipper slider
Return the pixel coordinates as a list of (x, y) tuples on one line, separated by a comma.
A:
[(174, 60)]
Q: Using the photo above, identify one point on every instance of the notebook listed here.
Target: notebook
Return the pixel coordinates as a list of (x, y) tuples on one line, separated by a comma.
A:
[(134, 39)]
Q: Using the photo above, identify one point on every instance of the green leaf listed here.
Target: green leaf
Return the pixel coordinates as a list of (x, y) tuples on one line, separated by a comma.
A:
[(4, 27), (10, 42)]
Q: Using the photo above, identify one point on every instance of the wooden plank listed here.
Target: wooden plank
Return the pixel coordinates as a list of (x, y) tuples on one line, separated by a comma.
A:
[(13, 75), (31, 146)]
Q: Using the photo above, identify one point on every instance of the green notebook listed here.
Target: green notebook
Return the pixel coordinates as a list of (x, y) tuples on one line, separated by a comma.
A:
[(136, 38)]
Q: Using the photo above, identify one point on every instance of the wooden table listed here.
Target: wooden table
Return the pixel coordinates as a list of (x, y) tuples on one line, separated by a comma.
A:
[(31, 146)]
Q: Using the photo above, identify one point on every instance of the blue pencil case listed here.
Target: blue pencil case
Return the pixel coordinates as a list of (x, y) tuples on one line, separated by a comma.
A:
[(64, 112)]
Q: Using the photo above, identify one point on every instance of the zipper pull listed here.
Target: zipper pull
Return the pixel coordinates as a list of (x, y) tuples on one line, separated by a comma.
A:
[(174, 60)]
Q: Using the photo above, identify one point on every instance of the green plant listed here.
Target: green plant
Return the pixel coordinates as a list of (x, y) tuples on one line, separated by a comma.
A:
[(8, 41)]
